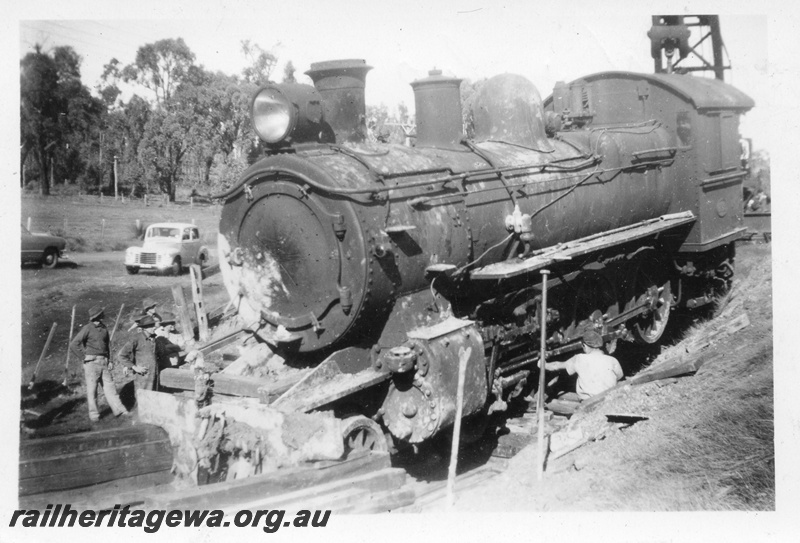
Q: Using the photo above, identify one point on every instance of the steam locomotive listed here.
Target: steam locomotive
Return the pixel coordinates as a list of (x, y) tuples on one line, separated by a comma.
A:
[(380, 265)]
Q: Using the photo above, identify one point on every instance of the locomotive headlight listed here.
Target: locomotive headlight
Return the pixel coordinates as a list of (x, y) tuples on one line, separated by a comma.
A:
[(273, 115), (287, 112)]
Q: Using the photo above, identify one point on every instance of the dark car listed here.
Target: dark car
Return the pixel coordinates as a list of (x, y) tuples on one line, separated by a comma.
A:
[(42, 249)]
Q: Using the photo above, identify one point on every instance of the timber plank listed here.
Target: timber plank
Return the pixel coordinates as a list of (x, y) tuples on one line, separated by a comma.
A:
[(125, 491), (232, 385), (268, 485), (508, 445), (187, 327), (87, 441), (378, 481), (87, 468), (384, 502), (154, 452)]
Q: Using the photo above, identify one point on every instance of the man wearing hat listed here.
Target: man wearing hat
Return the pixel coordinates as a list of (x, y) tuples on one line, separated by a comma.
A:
[(93, 339), (168, 322), (167, 353), (597, 371), (138, 356)]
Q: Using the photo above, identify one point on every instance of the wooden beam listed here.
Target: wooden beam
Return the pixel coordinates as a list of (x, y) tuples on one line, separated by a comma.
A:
[(47, 447), (229, 493), (232, 385), (199, 305), (187, 328), (378, 481), (125, 491), (222, 342), (87, 468)]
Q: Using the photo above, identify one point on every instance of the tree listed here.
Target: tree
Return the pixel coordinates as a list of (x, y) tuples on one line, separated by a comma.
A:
[(40, 109), (288, 73), (164, 146), (58, 116), (261, 64), (469, 92), (160, 67)]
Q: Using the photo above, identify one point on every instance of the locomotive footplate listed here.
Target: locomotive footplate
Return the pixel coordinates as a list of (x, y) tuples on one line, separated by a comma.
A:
[(596, 242)]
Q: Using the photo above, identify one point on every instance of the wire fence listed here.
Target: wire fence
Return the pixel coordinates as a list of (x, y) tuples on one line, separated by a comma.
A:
[(101, 223)]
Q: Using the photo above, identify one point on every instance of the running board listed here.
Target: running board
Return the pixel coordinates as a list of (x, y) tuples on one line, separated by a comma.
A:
[(566, 251)]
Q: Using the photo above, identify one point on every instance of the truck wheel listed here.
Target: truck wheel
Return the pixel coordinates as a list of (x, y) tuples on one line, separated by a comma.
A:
[(132, 270), (50, 258), (177, 267)]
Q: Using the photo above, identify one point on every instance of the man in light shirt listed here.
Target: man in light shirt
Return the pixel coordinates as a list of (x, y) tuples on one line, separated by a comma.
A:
[(597, 371)]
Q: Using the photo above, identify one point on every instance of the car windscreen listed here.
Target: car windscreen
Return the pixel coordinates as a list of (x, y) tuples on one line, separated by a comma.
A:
[(162, 232)]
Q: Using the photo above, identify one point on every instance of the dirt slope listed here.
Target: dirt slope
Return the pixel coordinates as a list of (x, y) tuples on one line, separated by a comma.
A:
[(707, 442)]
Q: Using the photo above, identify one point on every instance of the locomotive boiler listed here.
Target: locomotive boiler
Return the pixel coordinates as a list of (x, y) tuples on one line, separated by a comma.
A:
[(376, 266)]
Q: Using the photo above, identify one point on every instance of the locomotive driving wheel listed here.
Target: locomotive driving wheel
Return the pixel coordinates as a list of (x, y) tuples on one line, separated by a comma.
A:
[(654, 290), (595, 302), (362, 434)]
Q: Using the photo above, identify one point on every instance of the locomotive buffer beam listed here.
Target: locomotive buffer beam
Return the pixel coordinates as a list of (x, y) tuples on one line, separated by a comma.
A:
[(566, 251)]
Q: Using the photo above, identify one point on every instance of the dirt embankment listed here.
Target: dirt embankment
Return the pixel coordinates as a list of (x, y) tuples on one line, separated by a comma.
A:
[(706, 442)]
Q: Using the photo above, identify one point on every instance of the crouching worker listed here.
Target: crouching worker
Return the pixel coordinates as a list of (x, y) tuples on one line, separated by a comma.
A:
[(597, 371), (93, 339)]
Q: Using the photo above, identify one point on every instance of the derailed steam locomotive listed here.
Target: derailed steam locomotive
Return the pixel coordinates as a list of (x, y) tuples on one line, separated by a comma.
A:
[(377, 266), (385, 261)]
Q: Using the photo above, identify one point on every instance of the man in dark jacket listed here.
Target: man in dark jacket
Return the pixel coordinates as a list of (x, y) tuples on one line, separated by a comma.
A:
[(138, 354), (93, 340), (167, 353)]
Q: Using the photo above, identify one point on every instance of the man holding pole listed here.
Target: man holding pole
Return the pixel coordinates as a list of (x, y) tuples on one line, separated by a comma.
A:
[(94, 340)]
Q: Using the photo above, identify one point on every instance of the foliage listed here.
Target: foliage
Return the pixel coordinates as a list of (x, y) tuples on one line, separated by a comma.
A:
[(469, 92), (288, 73), (164, 145), (184, 127), (58, 115), (160, 67), (261, 64)]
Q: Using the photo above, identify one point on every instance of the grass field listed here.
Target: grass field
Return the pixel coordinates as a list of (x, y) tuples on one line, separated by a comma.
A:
[(90, 223)]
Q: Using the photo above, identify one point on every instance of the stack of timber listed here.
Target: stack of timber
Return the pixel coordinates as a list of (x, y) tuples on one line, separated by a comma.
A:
[(107, 460), (364, 482)]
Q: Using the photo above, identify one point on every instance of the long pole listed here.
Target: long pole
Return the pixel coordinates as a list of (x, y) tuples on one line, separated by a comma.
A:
[(116, 181), (463, 357), (116, 322), (44, 352), (71, 327), (540, 403)]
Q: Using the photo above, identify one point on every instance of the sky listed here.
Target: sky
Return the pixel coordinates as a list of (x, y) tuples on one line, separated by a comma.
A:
[(403, 41)]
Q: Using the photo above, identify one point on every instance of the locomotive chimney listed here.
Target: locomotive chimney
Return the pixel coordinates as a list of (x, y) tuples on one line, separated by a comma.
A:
[(341, 84), (438, 110)]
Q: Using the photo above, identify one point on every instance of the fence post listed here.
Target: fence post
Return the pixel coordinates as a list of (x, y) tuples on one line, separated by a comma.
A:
[(103, 230), (29, 224), (191, 202), (65, 226), (145, 200)]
